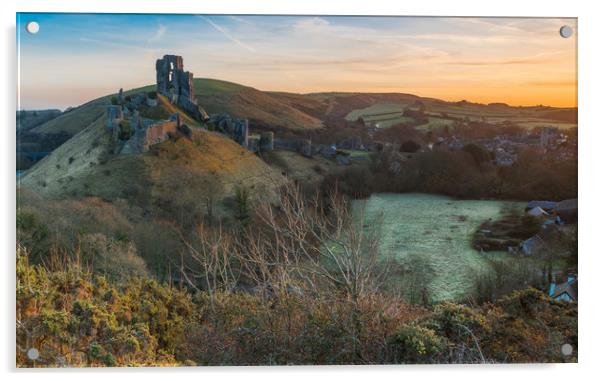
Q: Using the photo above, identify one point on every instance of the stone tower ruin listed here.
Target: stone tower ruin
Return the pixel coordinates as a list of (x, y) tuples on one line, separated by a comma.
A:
[(177, 85), (172, 80)]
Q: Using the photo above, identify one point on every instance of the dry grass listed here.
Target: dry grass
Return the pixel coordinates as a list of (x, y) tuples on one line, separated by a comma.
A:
[(173, 174), (172, 109), (309, 171), (258, 106)]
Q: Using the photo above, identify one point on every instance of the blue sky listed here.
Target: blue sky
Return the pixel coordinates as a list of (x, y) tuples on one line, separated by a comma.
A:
[(78, 57)]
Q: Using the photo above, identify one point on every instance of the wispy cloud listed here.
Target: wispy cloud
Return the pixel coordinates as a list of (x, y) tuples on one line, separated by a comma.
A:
[(512, 60), (159, 33), (240, 19), (518, 61), (227, 34)]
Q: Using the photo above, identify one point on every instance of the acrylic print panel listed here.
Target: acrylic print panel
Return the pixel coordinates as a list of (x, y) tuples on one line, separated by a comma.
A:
[(322, 190)]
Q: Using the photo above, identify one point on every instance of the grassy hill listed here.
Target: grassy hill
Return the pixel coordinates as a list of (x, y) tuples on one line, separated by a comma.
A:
[(215, 96), (173, 174), (261, 108)]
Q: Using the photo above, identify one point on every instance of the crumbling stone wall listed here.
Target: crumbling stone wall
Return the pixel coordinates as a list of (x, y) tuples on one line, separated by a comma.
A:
[(144, 132), (266, 141), (158, 132), (302, 146), (240, 133), (236, 129), (253, 144), (114, 117), (148, 133)]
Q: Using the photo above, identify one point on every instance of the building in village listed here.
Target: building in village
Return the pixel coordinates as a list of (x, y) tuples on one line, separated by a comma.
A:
[(566, 291)]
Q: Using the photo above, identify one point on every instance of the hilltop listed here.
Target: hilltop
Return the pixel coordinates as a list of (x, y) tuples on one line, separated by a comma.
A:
[(215, 96), (207, 167), (317, 110)]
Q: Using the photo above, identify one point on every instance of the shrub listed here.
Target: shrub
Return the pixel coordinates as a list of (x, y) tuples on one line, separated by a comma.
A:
[(32, 232), (125, 130), (414, 344), (457, 322), (76, 319), (116, 259)]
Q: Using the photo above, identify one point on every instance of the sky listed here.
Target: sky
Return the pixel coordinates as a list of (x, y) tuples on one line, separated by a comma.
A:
[(75, 58)]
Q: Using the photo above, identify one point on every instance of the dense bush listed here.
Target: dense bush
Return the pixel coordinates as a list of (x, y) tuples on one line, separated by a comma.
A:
[(76, 319), (414, 344), (73, 318)]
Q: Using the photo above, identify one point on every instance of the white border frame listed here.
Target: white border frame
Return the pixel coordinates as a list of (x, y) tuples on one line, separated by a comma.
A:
[(589, 179)]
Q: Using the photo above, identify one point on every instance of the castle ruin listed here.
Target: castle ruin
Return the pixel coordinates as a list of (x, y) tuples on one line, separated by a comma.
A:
[(132, 134), (177, 85)]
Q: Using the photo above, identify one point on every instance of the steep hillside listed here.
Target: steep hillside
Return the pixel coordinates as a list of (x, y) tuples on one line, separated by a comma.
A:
[(179, 173)]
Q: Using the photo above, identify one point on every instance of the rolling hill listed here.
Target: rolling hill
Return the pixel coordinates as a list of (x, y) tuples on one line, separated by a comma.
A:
[(215, 96), (181, 171), (302, 112), (261, 108)]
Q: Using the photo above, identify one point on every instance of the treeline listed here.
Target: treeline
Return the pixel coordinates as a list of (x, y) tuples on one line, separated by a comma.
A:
[(465, 173)]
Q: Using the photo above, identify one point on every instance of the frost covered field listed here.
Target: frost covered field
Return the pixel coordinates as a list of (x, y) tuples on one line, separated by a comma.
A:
[(429, 239)]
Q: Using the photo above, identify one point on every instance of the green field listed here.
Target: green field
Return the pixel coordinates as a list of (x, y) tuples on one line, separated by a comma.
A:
[(547, 123), (436, 123), (430, 237), (384, 115), (207, 87)]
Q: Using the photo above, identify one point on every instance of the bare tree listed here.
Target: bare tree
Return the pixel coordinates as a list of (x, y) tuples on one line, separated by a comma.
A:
[(319, 243), (315, 244), (213, 252)]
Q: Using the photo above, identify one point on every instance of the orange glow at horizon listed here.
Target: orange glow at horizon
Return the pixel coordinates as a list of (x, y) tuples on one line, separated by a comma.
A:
[(517, 61)]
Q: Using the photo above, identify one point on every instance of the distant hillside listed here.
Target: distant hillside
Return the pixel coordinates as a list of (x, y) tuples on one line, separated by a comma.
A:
[(302, 112), (28, 119), (261, 108)]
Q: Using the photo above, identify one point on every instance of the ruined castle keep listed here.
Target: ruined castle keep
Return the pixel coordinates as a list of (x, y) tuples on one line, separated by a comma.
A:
[(177, 85)]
